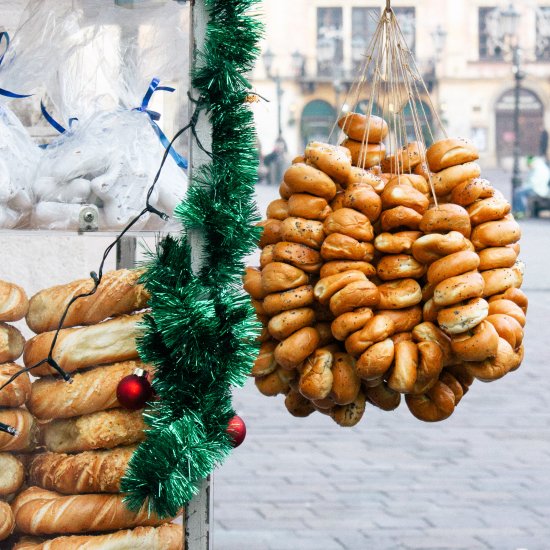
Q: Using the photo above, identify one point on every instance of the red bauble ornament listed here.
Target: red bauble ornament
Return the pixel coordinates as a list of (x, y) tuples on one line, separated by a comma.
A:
[(134, 390), (236, 428)]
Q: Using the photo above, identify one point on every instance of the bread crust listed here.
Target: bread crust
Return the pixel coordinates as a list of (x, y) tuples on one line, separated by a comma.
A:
[(12, 343), (14, 303), (17, 393), (119, 293), (27, 430), (12, 474)]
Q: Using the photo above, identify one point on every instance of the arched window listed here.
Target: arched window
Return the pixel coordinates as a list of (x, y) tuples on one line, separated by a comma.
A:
[(531, 116), (318, 117)]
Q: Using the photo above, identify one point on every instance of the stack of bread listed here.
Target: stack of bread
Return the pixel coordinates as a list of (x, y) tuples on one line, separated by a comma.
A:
[(73, 499), (412, 258), (13, 307)]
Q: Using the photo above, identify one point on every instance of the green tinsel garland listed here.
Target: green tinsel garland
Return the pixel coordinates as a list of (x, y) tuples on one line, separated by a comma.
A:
[(201, 332)]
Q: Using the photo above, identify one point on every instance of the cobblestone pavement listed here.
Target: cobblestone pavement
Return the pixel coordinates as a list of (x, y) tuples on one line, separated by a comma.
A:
[(478, 481)]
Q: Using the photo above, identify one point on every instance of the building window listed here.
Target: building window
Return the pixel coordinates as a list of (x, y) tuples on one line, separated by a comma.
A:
[(330, 50), (406, 17), (543, 33), (489, 46), (363, 26)]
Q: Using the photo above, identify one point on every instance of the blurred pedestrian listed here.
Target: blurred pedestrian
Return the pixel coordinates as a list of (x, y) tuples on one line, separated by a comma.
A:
[(543, 143), (276, 162), (535, 184)]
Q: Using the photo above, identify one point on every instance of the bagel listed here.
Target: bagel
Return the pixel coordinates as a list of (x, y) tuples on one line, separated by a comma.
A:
[(298, 255), (325, 335), (362, 128), (416, 181), (496, 257), (316, 376), (341, 247), (429, 332), (282, 325), (338, 266), (284, 191), (303, 231), (264, 334), (430, 311), (399, 294), (459, 288), (265, 362), (477, 345), (452, 265), (450, 152), (278, 276), (428, 291), (349, 222), (376, 360), (403, 374), (350, 322), (422, 169), (400, 337), (429, 248), (505, 360), (295, 298), (258, 306), (354, 295), (469, 191), (453, 384), (430, 365), (435, 405), (276, 383), (338, 201), (405, 160), (383, 397), (252, 283), (362, 176), (499, 280), (507, 307), (333, 160), (346, 384), (497, 233), (514, 295), (375, 330), (444, 218), (349, 415), (271, 232), (487, 210), (460, 373), (297, 405), (447, 179), (277, 209), (402, 194), (508, 328), (400, 216), (461, 318), (365, 155), (303, 205), (399, 266), (328, 286), (396, 243), (364, 198), (297, 347), (303, 178), (266, 257), (322, 312), (404, 320)]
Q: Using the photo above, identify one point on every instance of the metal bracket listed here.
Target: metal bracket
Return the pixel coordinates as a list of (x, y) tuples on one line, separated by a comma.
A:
[(88, 218)]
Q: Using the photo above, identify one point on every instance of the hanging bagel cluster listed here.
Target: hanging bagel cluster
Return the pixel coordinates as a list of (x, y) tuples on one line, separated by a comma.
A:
[(382, 276)]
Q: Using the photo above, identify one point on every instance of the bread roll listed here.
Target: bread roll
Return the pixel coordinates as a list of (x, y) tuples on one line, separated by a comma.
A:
[(14, 303), (350, 222), (118, 293), (368, 129), (87, 472), (298, 255), (278, 276), (277, 209), (27, 431), (341, 247), (99, 430), (12, 474), (78, 348), (450, 152), (363, 198), (333, 160), (302, 178), (168, 536), (7, 521), (303, 205), (41, 512), (303, 231), (16, 393), (365, 155), (271, 232), (252, 283), (345, 382), (91, 391), (11, 343)]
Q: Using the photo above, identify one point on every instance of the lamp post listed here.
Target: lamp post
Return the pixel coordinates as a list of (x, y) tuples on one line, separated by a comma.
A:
[(509, 20)]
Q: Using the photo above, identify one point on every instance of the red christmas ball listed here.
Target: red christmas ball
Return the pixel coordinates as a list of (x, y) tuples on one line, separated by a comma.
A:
[(134, 390), (236, 428)]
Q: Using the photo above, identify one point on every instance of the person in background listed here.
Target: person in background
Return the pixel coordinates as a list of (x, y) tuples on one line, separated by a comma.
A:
[(543, 143), (276, 162), (535, 184)]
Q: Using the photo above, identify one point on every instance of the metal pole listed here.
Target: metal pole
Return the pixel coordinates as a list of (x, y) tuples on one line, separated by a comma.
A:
[(126, 253), (198, 512), (518, 77), (279, 101)]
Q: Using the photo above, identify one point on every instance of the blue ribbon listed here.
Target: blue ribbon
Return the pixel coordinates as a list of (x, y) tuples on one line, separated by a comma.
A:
[(154, 116), (4, 36), (54, 122)]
